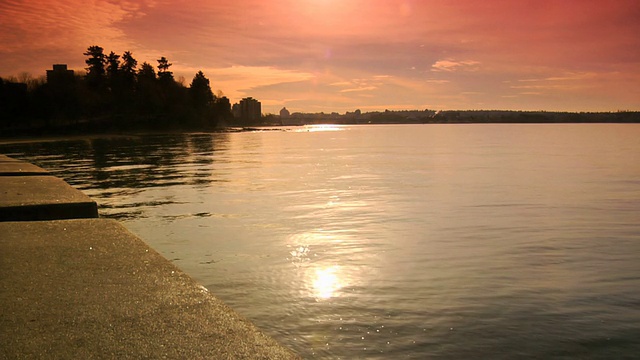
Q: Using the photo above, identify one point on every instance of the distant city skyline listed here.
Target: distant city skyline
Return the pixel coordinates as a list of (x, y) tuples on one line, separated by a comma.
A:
[(338, 56)]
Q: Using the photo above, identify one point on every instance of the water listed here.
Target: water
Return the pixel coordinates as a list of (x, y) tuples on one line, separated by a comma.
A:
[(435, 241)]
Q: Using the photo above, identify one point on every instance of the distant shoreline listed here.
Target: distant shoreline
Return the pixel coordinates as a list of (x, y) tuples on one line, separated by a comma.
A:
[(38, 136), (135, 125)]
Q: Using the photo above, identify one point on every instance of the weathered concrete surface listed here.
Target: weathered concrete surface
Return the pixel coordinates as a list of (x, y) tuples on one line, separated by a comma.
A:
[(88, 289), (13, 167), (19, 168), (27, 198), (5, 158)]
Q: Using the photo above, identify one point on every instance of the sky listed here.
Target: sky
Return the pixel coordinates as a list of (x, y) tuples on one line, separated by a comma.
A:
[(343, 55)]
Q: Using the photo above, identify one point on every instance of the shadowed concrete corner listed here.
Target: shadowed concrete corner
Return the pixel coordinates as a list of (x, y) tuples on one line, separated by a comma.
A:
[(28, 198)]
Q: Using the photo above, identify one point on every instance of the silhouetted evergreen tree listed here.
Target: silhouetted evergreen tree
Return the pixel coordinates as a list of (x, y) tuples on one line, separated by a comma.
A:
[(146, 72), (163, 69), (200, 91), (95, 96), (173, 97), (128, 69), (202, 100), (114, 82), (113, 65), (96, 62), (147, 95), (122, 81)]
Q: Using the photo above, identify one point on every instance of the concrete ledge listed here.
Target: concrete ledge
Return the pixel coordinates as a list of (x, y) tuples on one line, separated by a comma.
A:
[(5, 158), (82, 289), (12, 167), (28, 198)]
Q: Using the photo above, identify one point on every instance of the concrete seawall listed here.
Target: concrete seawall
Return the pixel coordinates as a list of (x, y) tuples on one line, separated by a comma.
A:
[(75, 286)]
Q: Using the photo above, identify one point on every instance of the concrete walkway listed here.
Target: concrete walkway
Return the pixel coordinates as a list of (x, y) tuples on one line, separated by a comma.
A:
[(86, 288), (13, 167), (28, 198)]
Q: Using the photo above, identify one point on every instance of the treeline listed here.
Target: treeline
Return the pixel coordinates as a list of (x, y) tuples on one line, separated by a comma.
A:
[(116, 93), (533, 117)]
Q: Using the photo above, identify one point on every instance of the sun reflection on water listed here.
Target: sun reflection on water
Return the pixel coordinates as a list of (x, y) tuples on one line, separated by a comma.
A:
[(326, 282), (321, 127), (320, 279)]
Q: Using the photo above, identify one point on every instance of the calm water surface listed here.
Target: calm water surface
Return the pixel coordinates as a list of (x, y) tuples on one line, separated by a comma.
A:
[(435, 241)]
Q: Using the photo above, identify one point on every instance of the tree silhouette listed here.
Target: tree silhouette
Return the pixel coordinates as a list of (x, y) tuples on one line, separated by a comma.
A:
[(163, 69), (147, 96), (202, 101), (126, 82), (129, 64), (200, 91), (146, 72), (128, 68), (113, 65), (96, 63)]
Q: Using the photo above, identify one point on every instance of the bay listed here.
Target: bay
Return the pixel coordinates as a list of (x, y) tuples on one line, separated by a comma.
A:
[(403, 241)]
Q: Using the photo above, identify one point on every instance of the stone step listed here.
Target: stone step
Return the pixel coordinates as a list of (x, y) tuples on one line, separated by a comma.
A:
[(37, 197), (13, 167)]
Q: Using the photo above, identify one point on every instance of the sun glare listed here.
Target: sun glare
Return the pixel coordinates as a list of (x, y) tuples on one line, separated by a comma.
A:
[(319, 128), (326, 282)]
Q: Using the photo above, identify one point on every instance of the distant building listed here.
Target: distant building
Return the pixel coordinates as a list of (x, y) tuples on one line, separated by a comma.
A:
[(284, 113), (248, 109), (59, 75)]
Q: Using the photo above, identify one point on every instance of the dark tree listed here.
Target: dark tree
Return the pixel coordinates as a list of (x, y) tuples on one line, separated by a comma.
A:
[(129, 64), (125, 86), (200, 91), (163, 69), (96, 62), (128, 67), (223, 109), (113, 65), (146, 72), (147, 96)]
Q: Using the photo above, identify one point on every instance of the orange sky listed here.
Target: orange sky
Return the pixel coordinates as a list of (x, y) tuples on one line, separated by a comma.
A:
[(342, 55)]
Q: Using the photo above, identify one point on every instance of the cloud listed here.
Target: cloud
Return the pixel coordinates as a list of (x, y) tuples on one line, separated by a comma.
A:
[(342, 83), (363, 88), (564, 82), (565, 77), (449, 65), (36, 34), (371, 83), (238, 81)]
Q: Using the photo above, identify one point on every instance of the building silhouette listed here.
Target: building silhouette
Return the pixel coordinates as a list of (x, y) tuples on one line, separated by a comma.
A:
[(248, 109), (59, 75), (284, 113)]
